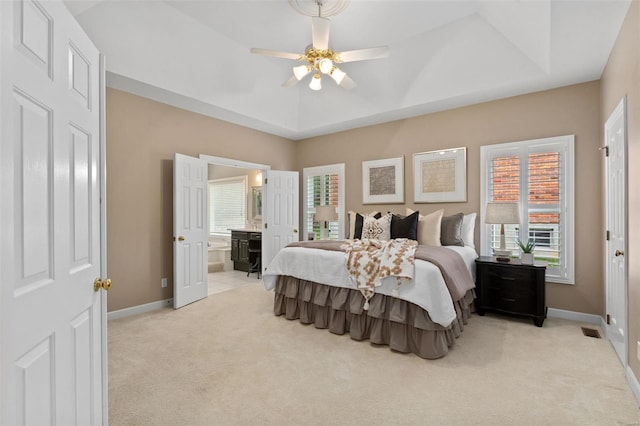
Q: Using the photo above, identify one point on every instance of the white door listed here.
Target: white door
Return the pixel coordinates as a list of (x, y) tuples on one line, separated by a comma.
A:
[(280, 213), (190, 230), (616, 190), (50, 218)]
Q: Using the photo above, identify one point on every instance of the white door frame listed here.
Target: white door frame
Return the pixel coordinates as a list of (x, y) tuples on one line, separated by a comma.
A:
[(612, 245), (103, 236)]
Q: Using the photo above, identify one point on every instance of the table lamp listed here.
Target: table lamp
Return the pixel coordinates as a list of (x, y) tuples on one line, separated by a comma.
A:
[(325, 214), (501, 214)]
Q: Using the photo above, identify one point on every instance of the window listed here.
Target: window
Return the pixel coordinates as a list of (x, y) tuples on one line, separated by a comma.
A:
[(539, 175), (227, 204), (323, 186)]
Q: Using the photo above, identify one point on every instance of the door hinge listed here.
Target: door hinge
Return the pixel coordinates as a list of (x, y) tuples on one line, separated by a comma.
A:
[(266, 181), (608, 236), (605, 149), (608, 319), (266, 225)]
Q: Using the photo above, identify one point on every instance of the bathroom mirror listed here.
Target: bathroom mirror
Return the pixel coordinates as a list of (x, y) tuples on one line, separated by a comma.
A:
[(256, 202)]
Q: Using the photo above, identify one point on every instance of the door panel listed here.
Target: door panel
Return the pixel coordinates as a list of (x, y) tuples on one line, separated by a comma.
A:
[(280, 211), (50, 237), (190, 230), (616, 183)]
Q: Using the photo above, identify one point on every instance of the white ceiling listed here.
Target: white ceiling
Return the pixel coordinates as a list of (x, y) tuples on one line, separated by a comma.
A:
[(444, 54)]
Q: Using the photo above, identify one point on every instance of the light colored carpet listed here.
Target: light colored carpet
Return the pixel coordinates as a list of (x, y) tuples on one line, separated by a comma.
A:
[(228, 360)]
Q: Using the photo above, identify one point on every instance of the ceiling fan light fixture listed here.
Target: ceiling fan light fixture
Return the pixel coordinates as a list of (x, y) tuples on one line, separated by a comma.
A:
[(325, 65), (337, 74), (301, 71), (316, 83)]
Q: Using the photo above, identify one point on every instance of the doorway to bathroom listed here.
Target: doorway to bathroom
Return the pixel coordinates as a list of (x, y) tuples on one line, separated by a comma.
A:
[(235, 207)]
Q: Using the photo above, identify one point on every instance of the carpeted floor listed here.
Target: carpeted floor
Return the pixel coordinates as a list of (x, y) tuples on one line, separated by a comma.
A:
[(228, 360)]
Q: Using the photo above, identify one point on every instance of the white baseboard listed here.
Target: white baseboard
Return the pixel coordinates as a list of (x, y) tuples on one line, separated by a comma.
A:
[(633, 384), (574, 316), (140, 309)]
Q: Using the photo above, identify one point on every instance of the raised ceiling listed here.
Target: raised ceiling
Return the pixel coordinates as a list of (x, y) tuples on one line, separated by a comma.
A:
[(444, 54)]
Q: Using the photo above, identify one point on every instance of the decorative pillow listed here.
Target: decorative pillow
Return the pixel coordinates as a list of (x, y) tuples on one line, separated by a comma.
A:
[(405, 226), (468, 229), (377, 229), (451, 230), (355, 223), (429, 227)]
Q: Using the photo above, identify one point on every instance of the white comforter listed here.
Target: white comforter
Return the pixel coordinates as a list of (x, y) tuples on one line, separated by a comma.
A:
[(427, 290)]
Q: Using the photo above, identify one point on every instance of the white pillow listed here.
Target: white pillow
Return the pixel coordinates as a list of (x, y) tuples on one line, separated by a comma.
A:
[(429, 227), (468, 229), (377, 229)]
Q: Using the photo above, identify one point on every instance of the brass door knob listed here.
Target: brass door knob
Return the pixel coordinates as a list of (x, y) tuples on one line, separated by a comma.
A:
[(619, 253), (295, 231), (98, 283), (180, 238)]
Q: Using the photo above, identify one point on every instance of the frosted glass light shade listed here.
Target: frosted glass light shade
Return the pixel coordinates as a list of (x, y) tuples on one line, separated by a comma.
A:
[(301, 71), (337, 75), (325, 65), (315, 84)]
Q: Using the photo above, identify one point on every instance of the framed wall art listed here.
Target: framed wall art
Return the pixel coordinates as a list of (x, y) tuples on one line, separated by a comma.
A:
[(440, 176), (383, 181)]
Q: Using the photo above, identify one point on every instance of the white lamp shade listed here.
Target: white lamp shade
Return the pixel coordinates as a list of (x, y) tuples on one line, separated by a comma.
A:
[(326, 214), (315, 83), (325, 65), (301, 71), (501, 213), (338, 75)]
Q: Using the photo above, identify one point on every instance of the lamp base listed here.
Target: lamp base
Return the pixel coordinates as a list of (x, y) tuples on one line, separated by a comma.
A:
[(502, 255)]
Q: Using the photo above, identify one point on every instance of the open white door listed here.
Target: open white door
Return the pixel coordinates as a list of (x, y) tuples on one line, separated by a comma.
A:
[(190, 230), (50, 218), (616, 190), (280, 213)]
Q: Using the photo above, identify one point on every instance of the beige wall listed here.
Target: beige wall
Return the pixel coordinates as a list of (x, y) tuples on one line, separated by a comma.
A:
[(142, 137), (569, 110), (622, 77)]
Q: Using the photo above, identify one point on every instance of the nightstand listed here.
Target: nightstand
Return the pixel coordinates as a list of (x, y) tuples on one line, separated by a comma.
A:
[(511, 288)]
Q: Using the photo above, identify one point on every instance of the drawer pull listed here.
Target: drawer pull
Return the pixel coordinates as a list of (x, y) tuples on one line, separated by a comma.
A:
[(506, 299), (507, 278)]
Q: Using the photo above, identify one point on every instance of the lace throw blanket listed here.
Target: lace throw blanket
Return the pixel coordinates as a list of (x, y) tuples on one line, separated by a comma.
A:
[(370, 261)]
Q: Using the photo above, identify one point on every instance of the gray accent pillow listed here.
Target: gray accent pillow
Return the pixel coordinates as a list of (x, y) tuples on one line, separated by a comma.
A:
[(451, 230)]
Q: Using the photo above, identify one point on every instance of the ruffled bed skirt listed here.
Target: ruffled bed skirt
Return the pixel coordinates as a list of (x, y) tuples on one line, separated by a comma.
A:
[(403, 326)]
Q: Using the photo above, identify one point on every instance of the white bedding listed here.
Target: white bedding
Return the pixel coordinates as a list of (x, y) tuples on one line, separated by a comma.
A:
[(427, 290)]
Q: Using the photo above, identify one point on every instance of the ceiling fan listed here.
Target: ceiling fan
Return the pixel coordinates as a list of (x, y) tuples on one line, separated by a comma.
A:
[(320, 59)]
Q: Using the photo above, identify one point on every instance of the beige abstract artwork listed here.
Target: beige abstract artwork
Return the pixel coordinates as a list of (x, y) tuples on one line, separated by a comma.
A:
[(439, 176), (382, 180)]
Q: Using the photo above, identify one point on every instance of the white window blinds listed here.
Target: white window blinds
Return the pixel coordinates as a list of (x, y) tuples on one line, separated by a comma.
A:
[(227, 204), (324, 186), (539, 175)]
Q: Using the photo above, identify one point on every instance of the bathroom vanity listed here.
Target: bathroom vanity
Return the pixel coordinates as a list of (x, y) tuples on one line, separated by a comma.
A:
[(246, 249)]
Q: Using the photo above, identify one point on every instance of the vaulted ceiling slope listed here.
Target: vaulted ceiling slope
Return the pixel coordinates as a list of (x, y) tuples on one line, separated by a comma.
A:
[(444, 54)]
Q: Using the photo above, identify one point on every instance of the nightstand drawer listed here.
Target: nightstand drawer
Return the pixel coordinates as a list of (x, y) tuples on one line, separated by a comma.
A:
[(509, 277), (510, 299)]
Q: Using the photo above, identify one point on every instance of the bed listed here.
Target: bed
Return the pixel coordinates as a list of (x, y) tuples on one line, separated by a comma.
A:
[(423, 316)]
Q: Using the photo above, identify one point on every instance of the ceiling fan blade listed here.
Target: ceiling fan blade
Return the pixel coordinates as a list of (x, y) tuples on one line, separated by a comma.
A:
[(347, 83), (320, 32), (277, 54), (291, 82), (364, 54)]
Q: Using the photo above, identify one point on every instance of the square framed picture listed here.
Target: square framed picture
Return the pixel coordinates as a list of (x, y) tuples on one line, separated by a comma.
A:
[(383, 181), (440, 176)]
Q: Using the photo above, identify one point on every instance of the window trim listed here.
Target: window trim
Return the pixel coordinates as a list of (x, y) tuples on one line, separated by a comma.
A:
[(338, 169), (566, 146)]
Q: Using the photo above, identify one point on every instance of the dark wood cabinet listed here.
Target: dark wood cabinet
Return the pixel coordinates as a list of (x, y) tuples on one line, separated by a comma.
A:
[(246, 250), (511, 288)]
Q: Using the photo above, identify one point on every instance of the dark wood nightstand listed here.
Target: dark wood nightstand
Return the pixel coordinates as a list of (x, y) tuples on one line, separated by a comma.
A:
[(511, 288)]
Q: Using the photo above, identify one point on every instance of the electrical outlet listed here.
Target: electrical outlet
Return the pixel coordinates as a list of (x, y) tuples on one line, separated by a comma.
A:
[(163, 282)]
